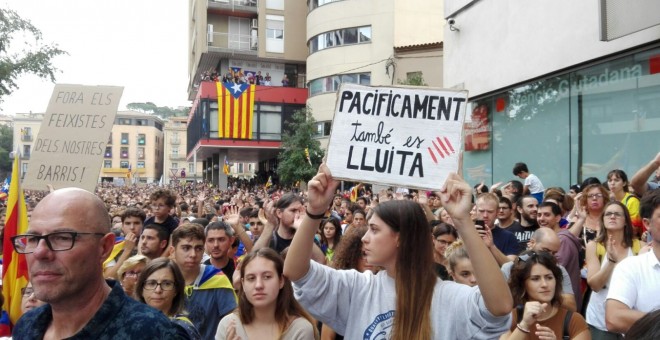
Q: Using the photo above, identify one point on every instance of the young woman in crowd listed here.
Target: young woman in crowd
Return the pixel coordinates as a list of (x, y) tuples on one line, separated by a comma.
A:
[(443, 235), (129, 271), (535, 284), (460, 266), (349, 255), (592, 200), (161, 285), (266, 306), (614, 243), (617, 181), (405, 300), (330, 236)]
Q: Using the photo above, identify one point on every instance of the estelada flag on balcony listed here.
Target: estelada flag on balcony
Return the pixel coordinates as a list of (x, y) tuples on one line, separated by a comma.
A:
[(235, 110), (14, 268)]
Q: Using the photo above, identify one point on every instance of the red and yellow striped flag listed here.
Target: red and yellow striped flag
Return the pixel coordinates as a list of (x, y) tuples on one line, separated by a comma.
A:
[(14, 268), (235, 110)]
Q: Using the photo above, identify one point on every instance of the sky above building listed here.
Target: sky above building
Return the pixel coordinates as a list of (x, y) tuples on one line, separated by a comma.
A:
[(141, 45)]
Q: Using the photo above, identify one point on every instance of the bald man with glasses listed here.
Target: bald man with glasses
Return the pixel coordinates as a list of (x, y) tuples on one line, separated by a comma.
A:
[(65, 246)]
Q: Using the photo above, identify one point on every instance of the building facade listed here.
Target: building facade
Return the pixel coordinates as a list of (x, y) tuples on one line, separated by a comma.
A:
[(176, 167), (26, 130), (369, 42), (134, 151), (546, 90), (235, 42)]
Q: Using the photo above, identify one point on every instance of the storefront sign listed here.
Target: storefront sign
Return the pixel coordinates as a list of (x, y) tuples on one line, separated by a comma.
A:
[(406, 137), (69, 149)]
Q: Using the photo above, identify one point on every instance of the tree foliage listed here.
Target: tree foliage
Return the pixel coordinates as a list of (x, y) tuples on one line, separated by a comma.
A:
[(6, 141), (415, 79), (162, 111), (33, 57), (293, 165)]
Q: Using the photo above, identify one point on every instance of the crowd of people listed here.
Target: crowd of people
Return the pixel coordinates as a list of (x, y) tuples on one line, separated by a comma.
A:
[(241, 77), (513, 261)]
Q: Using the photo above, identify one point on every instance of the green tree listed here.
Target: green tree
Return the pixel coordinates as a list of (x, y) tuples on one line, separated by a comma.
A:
[(34, 57), (298, 136), (415, 79), (163, 111), (6, 141)]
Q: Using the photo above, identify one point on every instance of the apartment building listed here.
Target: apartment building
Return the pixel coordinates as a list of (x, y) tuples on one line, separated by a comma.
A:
[(241, 39), (26, 130), (175, 165), (369, 42)]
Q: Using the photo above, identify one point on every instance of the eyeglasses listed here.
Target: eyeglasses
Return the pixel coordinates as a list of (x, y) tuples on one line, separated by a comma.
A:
[(57, 241), (613, 213), (132, 274), (164, 285), (595, 196), (27, 291), (527, 257)]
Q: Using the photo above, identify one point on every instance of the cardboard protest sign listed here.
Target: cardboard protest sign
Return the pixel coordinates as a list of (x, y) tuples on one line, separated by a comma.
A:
[(406, 137), (69, 149)]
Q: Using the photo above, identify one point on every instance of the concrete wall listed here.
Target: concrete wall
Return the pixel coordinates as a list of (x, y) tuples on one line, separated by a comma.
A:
[(501, 43)]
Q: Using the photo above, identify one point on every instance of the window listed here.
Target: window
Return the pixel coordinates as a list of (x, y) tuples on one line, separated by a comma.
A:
[(107, 163), (142, 139), (108, 152), (140, 164), (323, 129), (175, 151), (124, 152), (123, 164), (140, 153), (110, 138), (175, 165), (26, 151), (331, 83), (275, 33), (141, 122), (191, 168), (124, 138), (275, 4), (124, 121), (312, 4), (240, 168), (341, 37)]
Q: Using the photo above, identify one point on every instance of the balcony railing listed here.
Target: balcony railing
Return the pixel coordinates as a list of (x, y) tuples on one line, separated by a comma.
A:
[(233, 42), (234, 5), (175, 141), (26, 138), (177, 157)]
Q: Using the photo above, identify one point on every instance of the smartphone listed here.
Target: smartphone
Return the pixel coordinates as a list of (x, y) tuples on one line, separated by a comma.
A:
[(479, 224)]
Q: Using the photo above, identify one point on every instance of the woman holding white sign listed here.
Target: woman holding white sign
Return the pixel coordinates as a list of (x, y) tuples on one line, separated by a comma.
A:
[(406, 300)]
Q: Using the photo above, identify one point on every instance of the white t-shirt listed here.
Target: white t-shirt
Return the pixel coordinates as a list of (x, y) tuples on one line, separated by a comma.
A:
[(362, 305), (636, 282), (534, 184)]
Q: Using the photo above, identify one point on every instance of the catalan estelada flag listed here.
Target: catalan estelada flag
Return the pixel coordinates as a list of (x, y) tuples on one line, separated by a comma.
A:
[(14, 268), (235, 110)]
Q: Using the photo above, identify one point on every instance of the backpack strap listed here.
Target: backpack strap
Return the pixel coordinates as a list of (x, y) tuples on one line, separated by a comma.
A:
[(567, 322)]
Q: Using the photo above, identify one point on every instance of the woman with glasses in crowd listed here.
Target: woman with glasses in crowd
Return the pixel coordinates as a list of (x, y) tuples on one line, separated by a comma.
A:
[(405, 300), (161, 285), (443, 235), (535, 284), (266, 306), (588, 211), (129, 271), (614, 243)]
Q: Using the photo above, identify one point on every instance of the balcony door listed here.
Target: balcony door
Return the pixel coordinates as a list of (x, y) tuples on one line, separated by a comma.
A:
[(239, 33)]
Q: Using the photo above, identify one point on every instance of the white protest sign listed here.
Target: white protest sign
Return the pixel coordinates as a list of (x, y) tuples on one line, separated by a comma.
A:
[(69, 149), (399, 136)]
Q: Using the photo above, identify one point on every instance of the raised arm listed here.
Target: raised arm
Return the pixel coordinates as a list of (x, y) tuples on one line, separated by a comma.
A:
[(638, 181), (456, 198), (320, 193)]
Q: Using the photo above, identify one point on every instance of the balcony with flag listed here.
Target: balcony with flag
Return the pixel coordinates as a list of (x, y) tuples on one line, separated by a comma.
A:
[(239, 123)]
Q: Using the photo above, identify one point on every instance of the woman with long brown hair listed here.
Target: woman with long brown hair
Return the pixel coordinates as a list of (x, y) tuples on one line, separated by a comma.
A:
[(266, 306), (614, 243), (405, 300)]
